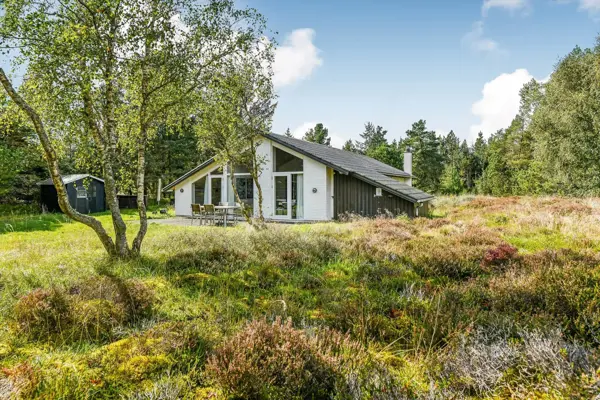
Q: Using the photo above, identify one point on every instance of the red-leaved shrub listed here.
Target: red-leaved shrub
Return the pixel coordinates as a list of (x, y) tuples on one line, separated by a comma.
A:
[(499, 255)]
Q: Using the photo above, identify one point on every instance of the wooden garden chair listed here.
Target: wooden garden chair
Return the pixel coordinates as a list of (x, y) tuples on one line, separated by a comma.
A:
[(197, 212)]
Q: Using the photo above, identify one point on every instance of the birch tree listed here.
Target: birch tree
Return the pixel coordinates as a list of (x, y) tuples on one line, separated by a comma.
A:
[(235, 115), (110, 72)]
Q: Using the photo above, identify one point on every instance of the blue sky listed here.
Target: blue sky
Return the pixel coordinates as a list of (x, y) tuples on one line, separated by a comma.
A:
[(457, 64)]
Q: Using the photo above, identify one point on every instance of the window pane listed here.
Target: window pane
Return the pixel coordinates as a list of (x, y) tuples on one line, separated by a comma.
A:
[(200, 191), (240, 169), (245, 189), (215, 191), (286, 162), (281, 200)]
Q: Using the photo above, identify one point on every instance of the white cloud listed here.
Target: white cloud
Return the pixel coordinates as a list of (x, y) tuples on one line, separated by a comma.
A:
[(336, 140), (297, 58), (477, 41), (500, 102), (592, 6), (511, 5)]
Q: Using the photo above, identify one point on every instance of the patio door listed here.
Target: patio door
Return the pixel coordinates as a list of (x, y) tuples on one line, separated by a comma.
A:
[(288, 196)]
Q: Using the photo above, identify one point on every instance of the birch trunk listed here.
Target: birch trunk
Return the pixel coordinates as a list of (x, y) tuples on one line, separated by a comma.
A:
[(52, 160)]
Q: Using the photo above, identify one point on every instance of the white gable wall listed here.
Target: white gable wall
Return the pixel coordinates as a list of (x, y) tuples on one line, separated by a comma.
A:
[(318, 205), (183, 201), (315, 177)]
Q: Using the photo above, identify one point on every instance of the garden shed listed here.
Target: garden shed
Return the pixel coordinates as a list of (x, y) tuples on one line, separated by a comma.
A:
[(86, 194)]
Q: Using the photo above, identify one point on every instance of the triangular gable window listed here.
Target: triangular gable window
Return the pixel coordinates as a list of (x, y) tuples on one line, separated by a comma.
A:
[(286, 162)]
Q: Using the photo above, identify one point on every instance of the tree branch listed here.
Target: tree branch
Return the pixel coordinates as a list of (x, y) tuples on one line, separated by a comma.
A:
[(53, 167)]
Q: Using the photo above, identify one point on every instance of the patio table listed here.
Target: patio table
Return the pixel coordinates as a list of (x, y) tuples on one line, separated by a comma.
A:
[(226, 212)]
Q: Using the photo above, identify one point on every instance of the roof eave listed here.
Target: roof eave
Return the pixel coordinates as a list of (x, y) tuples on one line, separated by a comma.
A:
[(393, 191), (188, 174)]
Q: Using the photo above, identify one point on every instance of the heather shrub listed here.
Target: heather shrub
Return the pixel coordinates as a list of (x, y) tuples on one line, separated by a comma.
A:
[(490, 361), (18, 382), (378, 239), (270, 361), (43, 313), (561, 285), (229, 251), (499, 255), (456, 255), (284, 248), (133, 296), (275, 360)]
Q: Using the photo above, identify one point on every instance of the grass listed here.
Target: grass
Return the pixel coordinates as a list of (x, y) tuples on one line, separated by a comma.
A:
[(491, 298)]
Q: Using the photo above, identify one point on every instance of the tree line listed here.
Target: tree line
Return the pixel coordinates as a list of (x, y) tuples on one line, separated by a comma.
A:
[(105, 80), (552, 146)]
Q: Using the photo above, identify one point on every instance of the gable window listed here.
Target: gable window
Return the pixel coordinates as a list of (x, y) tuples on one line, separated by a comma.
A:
[(286, 162)]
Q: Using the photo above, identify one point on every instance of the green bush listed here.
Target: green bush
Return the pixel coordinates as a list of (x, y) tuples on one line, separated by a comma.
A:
[(96, 319), (133, 296), (149, 355)]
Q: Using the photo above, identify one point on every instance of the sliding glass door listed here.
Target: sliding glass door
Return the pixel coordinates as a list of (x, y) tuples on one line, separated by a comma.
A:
[(289, 196), (281, 196)]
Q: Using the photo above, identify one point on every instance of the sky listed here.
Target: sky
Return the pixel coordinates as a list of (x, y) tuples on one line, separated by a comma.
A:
[(457, 64)]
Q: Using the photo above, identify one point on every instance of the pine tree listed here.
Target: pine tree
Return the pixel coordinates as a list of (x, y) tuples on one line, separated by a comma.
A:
[(318, 134), (427, 158), (373, 137), (350, 146)]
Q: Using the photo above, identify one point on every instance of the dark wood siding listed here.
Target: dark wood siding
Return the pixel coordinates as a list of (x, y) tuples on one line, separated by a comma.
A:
[(91, 204), (49, 198), (351, 195)]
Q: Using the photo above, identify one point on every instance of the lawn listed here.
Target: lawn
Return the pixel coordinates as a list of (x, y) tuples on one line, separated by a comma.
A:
[(489, 298)]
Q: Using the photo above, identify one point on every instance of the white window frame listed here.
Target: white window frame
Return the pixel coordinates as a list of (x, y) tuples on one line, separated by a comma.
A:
[(81, 190), (289, 193)]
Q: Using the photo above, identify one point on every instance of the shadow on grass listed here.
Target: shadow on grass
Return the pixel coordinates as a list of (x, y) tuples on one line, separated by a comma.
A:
[(31, 223)]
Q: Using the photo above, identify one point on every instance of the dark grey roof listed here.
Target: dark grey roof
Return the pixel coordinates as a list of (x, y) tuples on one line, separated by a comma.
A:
[(362, 167), (70, 178), (341, 160), (188, 174)]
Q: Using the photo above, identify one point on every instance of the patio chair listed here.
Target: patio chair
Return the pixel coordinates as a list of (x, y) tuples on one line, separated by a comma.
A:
[(197, 212), (211, 213)]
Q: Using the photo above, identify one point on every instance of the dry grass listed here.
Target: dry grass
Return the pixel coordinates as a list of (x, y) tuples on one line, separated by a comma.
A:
[(416, 302)]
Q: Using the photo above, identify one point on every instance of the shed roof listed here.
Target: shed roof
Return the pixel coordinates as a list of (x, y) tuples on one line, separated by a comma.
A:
[(69, 179)]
